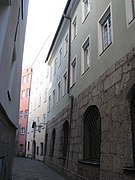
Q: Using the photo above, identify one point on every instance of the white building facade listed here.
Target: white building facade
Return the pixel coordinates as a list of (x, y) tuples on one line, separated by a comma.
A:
[(38, 105)]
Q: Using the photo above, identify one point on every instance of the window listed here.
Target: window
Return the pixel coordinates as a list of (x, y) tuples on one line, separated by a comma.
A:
[(92, 134), (41, 78), (130, 11), (35, 104), (29, 77), (41, 148), (65, 84), (51, 71), (21, 147), (54, 98), (23, 94), (47, 72), (85, 55), (30, 107), (29, 127), (74, 28), (38, 120), (22, 9), (73, 72), (66, 45), (65, 131), (12, 74), (21, 114), (45, 95), (22, 130), (132, 111), (44, 119), (46, 141), (27, 92), (52, 142), (133, 8), (55, 66), (105, 31), (60, 57), (59, 91), (26, 114), (49, 103), (28, 145), (24, 79), (37, 150), (85, 8), (39, 101)]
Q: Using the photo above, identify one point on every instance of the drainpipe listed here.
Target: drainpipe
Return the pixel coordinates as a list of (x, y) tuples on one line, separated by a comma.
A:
[(68, 87)]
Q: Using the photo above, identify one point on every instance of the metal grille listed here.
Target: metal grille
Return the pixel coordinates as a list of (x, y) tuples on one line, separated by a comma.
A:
[(92, 134), (133, 125), (52, 142), (65, 138), (46, 141)]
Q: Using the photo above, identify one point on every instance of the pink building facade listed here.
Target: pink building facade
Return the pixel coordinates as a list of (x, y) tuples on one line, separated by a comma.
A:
[(24, 105)]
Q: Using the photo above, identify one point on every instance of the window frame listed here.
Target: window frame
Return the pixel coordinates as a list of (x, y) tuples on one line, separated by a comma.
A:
[(130, 12), (41, 148), (22, 131), (65, 138), (101, 22), (49, 103), (64, 84), (84, 13), (59, 93), (23, 94), (73, 66), (85, 46), (53, 98), (20, 114), (66, 43), (60, 57), (90, 154), (74, 28), (27, 92), (52, 143)]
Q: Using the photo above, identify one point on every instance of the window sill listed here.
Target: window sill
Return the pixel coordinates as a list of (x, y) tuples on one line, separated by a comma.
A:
[(131, 21), (105, 49), (61, 157), (93, 163), (86, 70), (51, 155), (129, 170), (72, 85), (85, 17), (74, 38)]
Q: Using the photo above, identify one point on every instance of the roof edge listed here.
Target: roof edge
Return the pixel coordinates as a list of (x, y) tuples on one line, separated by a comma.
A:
[(57, 31)]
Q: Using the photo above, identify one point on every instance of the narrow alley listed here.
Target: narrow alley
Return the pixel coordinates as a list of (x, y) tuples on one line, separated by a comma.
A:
[(27, 169)]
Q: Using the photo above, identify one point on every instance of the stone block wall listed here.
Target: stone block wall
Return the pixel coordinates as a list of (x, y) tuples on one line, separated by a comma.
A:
[(7, 144), (111, 94)]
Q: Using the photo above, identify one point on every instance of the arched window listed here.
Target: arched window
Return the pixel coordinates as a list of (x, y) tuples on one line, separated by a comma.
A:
[(92, 134), (132, 108), (52, 142), (65, 138)]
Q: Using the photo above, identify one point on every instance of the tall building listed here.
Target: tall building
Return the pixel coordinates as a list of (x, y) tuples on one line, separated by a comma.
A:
[(13, 16), (90, 132), (38, 105), (24, 108)]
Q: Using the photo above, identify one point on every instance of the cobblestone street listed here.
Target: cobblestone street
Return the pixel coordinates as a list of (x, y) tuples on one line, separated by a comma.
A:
[(27, 169)]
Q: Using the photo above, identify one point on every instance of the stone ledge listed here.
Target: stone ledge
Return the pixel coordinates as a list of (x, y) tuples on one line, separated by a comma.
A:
[(129, 170), (94, 163), (62, 157)]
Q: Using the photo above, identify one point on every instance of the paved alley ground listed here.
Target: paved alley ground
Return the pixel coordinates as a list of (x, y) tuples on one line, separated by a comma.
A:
[(27, 169)]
